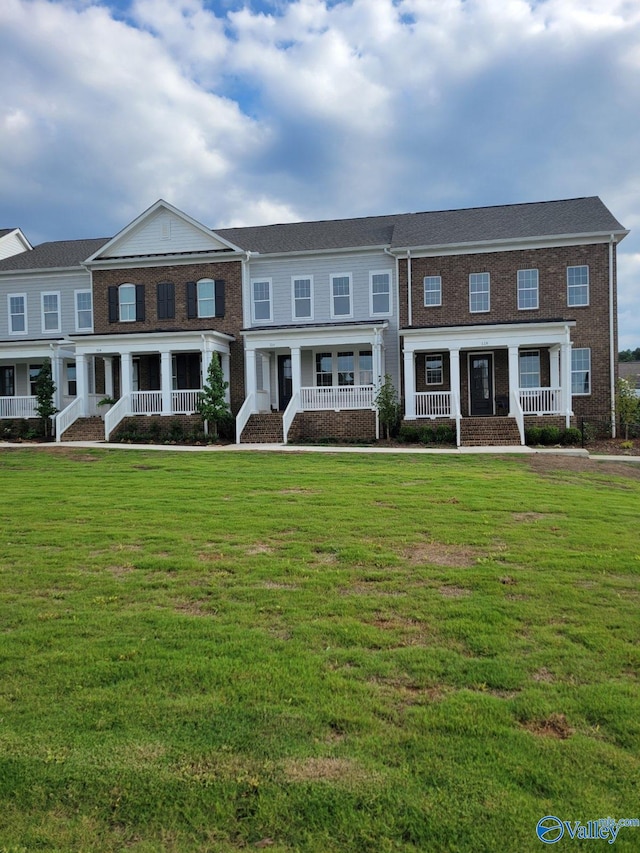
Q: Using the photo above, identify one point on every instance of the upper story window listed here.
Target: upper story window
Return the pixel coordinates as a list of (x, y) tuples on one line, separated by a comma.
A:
[(126, 303), (380, 292), (84, 310), (581, 371), (205, 298), (527, 289), (341, 295), (432, 290), (50, 312), (302, 289), (433, 369), (577, 286), (261, 300), (529, 368), (479, 300), (17, 313)]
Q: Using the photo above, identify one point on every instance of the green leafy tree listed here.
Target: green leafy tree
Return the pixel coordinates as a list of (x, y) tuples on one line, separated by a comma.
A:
[(628, 404), (629, 355), (212, 403), (388, 407), (45, 390)]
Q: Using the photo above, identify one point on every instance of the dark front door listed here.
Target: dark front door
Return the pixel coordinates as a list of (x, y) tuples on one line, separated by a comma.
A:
[(481, 384), (285, 386)]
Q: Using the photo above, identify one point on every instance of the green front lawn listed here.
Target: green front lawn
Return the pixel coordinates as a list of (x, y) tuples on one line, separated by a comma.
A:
[(316, 653)]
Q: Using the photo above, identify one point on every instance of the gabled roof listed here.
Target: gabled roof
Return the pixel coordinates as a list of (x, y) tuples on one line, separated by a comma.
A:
[(59, 254)]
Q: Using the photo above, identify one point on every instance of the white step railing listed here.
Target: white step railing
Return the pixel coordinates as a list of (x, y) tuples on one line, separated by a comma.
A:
[(246, 410), (68, 416), (541, 401), (184, 402), (116, 413), (337, 397), (517, 412), (433, 404), (456, 413), (289, 414), (18, 407)]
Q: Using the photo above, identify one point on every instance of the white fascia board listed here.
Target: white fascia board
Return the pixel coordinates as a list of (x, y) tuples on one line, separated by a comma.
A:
[(145, 342), (510, 245), (358, 333), (45, 271), (488, 337), (309, 253), (28, 349), (138, 261)]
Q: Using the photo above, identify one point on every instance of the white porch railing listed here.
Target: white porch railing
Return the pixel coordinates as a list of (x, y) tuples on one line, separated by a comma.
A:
[(246, 410), (289, 414), (18, 407), (184, 402), (337, 397), (517, 412), (146, 402), (67, 416), (541, 401), (433, 404)]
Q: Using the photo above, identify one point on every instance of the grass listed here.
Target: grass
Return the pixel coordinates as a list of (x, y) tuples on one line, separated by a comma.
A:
[(317, 653)]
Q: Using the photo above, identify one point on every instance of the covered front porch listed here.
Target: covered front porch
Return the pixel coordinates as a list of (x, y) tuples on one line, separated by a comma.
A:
[(19, 368), (507, 370), (145, 374), (310, 369)]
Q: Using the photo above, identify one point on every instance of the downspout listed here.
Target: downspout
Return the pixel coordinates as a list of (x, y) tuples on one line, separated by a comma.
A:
[(612, 342)]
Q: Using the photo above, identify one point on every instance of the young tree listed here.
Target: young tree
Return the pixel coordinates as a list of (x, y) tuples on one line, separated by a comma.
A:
[(627, 403), (212, 404), (386, 402), (45, 390)]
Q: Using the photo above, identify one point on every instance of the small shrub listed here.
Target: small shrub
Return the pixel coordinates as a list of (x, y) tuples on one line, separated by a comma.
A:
[(533, 435), (426, 435), (571, 436), (626, 445), (445, 434), (409, 434), (176, 432), (550, 435)]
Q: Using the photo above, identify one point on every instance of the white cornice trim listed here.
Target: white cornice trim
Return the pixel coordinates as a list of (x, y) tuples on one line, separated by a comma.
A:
[(162, 260), (509, 245)]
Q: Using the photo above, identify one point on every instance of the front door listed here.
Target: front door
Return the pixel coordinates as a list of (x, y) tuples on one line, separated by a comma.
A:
[(285, 385), (481, 385)]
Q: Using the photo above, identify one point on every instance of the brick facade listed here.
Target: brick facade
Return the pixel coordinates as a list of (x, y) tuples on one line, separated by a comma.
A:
[(358, 425), (230, 272), (591, 322)]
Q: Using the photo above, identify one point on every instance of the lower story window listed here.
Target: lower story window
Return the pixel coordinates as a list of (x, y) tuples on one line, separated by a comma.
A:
[(72, 384), (529, 369), (433, 369), (34, 370), (581, 371), (324, 369), (344, 368)]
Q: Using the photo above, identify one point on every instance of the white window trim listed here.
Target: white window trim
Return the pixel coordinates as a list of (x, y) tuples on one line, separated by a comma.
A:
[(199, 300), (529, 307), (380, 313), (253, 301), (434, 355), (488, 308), (589, 371), (424, 292), (333, 276), (295, 278), (588, 285), (120, 317), (76, 293), (11, 296), (57, 329)]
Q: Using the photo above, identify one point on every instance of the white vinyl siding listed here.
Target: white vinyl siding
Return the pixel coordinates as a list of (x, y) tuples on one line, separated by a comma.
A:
[(302, 297), (527, 290), (341, 301), (17, 309), (577, 286), (479, 292), (261, 300), (581, 371), (50, 304), (84, 310), (380, 293), (432, 291)]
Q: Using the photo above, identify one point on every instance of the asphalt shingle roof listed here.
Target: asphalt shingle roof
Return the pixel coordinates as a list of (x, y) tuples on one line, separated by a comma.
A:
[(61, 253)]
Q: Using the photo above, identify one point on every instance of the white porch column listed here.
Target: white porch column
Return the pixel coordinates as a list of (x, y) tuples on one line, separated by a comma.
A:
[(166, 382), (82, 389), (58, 379), (225, 362), (126, 373), (409, 385), (565, 383), (454, 374), (296, 371), (108, 376), (554, 366), (378, 359), (250, 367), (514, 378)]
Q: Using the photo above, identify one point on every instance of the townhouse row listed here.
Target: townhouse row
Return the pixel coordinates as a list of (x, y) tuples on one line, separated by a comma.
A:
[(483, 317)]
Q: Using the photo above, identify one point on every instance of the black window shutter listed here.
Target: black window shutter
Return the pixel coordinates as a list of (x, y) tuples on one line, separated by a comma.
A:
[(192, 300), (140, 302), (114, 313), (171, 300), (166, 301), (219, 291)]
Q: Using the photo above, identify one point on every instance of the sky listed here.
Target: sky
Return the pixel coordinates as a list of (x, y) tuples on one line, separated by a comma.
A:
[(250, 112)]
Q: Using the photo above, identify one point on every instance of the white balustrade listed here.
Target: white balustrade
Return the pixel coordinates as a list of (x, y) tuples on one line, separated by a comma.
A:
[(146, 402), (433, 404), (540, 401), (337, 397), (518, 413), (116, 413), (184, 402), (18, 407)]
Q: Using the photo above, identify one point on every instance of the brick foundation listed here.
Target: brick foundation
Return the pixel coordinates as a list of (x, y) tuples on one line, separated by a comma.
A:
[(345, 426)]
